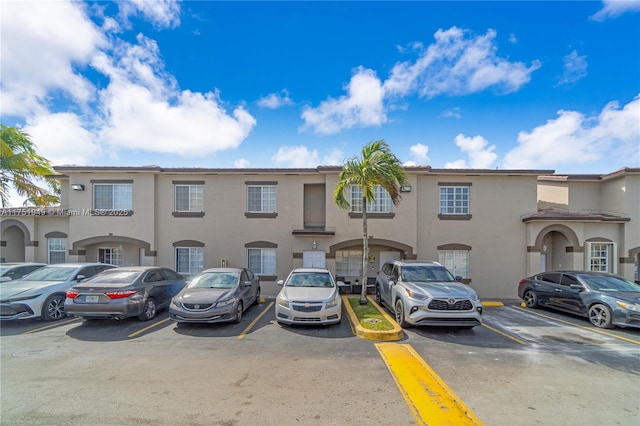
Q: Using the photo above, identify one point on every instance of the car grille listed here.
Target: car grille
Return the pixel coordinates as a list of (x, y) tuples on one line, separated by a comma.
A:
[(197, 306), (298, 319), (445, 305), (306, 308)]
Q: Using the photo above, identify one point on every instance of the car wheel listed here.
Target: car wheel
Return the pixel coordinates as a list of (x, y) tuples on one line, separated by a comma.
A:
[(530, 299), (257, 301), (53, 308), (399, 313), (378, 296), (239, 311), (600, 316), (149, 310)]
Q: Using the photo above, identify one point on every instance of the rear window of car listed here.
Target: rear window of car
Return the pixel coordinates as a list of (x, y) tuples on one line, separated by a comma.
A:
[(115, 276)]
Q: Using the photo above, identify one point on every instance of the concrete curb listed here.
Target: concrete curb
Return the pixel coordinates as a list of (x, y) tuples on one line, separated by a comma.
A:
[(376, 335)]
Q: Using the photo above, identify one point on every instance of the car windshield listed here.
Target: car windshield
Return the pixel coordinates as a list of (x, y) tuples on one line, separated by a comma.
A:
[(53, 273), (215, 280), (115, 276), (426, 274), (310, 279), (608, 283)]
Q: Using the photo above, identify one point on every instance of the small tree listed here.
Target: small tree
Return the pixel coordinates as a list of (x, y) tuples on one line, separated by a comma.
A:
[(377, 166), (21, 167)]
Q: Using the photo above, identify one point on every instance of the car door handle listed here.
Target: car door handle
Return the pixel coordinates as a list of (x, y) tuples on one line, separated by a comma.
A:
[(559, 290)]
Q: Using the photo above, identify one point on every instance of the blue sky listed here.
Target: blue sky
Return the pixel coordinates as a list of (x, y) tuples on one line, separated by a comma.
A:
[(508, 85)]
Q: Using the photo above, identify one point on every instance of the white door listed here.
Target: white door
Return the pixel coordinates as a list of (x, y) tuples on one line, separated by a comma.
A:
[(313, 259)]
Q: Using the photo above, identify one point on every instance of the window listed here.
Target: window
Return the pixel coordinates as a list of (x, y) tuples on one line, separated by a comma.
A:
[(601, 257), (261, 199), (262, 261), (454, 200), (349, 263), (57, 250), (112, 256), (112, 196), (381, 204), (189, 198), (456, 261), (189, 260)]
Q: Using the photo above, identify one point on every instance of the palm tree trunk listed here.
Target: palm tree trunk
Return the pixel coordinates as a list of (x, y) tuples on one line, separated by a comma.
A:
[(365, 253)]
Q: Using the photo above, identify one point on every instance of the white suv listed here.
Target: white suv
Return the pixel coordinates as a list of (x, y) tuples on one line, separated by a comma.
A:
[(426, 293)]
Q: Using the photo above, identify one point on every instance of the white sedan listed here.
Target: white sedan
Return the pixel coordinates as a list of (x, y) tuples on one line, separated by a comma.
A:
[(309, 296)]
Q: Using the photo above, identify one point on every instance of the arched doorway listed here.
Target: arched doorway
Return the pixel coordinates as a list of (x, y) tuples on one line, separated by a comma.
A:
[(557, 245), (14, 238)]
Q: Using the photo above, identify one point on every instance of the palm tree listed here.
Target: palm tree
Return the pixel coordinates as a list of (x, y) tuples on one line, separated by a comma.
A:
[(21, 167), (377, 166)]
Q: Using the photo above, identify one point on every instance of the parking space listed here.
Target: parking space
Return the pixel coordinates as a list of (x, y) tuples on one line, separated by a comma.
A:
[(535, 362)]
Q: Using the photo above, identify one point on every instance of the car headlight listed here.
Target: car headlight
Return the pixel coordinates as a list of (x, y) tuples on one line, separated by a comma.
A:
[(174, 302), (227, 302), (333, 302), (282, 301), (629, 306), (415, 295), (21, 298)]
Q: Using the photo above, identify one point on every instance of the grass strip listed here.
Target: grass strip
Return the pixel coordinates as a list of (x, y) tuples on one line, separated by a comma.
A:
[(369, 315)]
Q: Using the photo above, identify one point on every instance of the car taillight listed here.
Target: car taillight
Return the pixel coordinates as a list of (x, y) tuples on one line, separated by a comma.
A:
[(521, 282), (72, 294), (120, 294)]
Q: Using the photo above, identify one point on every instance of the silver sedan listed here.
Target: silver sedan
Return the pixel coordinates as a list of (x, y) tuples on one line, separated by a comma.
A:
[(216, 295)]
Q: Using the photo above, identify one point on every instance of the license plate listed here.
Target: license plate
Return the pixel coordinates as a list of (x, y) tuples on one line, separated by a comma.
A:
[(93, 299)]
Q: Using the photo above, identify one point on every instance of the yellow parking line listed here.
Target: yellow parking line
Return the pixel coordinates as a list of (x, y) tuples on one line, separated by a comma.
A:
[(55, 324), (595, 330), (430, 400), (495, 330), (250, 326), (135, 333)]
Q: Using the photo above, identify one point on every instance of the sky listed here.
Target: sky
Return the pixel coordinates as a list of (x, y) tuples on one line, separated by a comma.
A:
[(539, 85)]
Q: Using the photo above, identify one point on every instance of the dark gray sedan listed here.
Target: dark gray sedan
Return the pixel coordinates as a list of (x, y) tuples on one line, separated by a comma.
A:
[(124, 292), (216, 295), (605, 299)]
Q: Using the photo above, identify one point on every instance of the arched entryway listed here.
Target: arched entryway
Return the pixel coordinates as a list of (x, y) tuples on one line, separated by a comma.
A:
[(14, 237), (557, 245)]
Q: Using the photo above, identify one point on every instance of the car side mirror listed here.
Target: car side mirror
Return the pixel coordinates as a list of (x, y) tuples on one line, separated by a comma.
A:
[(247, 283), (280, 282), (341, 284), (459, 278), (392, 281), (80, 277), (576, 287), (3, 279)]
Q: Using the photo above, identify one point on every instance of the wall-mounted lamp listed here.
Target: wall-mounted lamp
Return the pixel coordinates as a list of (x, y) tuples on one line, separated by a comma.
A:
[(77, 187), (314, 244), (405, 188)]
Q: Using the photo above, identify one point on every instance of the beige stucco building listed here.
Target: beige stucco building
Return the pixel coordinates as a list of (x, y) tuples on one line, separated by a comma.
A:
[(492, 227)]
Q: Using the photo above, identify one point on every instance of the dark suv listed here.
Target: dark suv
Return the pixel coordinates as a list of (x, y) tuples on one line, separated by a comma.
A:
[(426, 293)]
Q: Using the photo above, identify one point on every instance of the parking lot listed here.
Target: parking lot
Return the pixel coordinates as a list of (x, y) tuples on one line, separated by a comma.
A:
[(521, 366)]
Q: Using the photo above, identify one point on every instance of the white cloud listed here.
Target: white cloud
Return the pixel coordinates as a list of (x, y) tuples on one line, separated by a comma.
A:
[(296, 156), (362, 106), (615, 8), (481, 155), (458, 64), (62, 139), (275, 100), (420, 153), (334, 158), (573, 138), (42, 43), (575, 67), (452, 113), (161, 13), (241, 163)]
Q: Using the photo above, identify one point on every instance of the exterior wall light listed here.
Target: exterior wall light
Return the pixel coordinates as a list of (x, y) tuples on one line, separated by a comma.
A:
[(405, 188), (77, 187), (314, 245)]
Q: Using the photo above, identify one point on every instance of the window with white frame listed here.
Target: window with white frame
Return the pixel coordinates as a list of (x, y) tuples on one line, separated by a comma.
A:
[(456, 261), (600, 256), (262, 261), (111, 255), (454, 200), (261, 198), (189, 260), (349, 263), (112, 196), (189, 198), (381, 204), (57, 250)]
